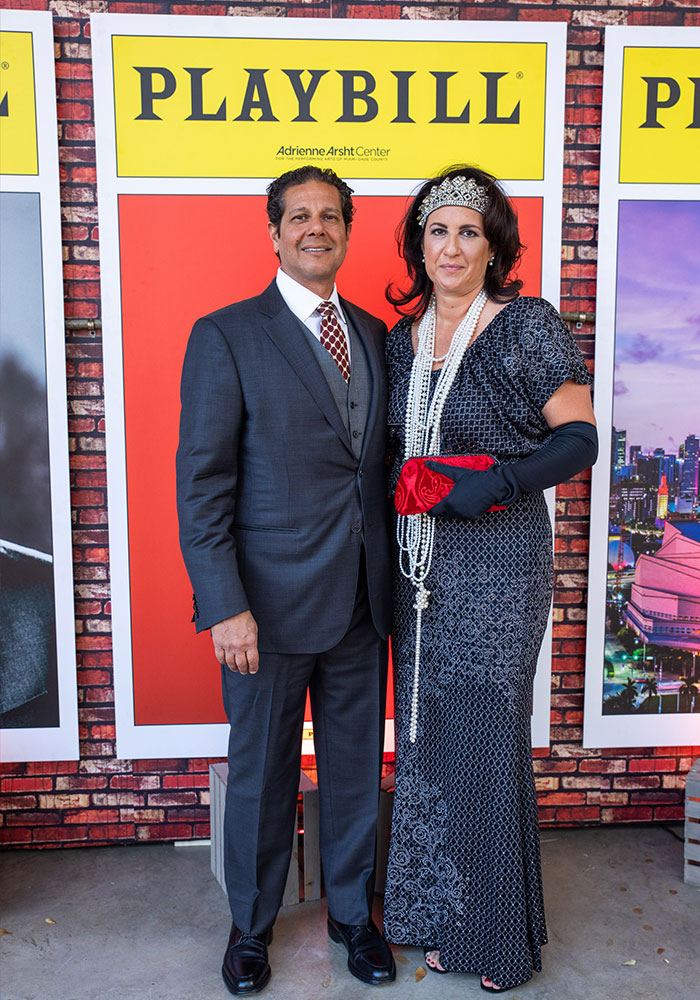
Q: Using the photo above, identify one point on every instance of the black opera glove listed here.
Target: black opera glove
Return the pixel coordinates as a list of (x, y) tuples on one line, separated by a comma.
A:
[(571, 448), (474, 491)]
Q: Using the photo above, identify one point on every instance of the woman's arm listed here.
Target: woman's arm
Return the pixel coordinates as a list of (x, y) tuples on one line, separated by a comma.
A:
[(572, 447), (569, 402)]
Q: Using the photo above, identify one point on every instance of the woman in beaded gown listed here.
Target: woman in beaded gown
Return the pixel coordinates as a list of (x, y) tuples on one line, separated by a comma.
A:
[(464, 878)]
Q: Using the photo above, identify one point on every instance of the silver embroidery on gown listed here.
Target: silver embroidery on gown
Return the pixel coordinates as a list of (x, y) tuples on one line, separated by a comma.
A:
[(464, 862)]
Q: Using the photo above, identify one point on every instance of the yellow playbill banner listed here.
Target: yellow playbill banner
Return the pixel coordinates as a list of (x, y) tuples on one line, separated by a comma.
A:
[(193, 117), (660, 123), (255, 107), (642, 639), (18, 142), (38, 703)]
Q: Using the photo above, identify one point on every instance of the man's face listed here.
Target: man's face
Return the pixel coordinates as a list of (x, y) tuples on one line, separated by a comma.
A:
[(312, 238)]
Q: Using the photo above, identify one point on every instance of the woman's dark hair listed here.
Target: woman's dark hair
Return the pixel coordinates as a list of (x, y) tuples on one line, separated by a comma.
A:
[(275, 191), (500, 229)]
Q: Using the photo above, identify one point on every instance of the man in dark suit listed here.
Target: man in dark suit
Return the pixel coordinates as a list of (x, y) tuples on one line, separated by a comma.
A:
[(283, 527)]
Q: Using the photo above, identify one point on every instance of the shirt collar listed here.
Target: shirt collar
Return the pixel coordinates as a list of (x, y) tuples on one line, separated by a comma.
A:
[(301, 300)]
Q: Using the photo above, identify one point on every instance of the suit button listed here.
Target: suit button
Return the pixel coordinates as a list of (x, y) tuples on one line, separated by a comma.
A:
[(356, 528), (361, 473), (356, 434)]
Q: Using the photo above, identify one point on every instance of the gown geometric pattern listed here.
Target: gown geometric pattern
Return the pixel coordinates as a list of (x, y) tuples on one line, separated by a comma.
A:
[(464, 863)]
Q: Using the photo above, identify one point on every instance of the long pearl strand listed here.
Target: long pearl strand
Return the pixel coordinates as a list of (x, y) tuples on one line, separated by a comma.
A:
[(415, 533)]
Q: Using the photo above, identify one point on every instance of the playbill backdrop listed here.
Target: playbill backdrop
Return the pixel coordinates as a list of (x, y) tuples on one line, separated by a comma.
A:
[(38, 695), (194, 117), (643, 650)]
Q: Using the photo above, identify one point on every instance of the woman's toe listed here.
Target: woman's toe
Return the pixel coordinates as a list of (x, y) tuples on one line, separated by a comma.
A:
[(433, 960), (490, 983)]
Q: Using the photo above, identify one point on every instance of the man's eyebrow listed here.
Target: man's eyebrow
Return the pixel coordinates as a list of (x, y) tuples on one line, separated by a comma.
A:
[(304, 208)]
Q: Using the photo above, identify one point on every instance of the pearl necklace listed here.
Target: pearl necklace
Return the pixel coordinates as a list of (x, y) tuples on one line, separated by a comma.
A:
[(415, 533)]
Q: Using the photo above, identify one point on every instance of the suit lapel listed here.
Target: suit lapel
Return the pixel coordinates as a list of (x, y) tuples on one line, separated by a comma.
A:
[(284, 329)]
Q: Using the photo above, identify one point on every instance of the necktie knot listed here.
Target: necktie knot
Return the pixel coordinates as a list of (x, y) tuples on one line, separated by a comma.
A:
[(333, 337)]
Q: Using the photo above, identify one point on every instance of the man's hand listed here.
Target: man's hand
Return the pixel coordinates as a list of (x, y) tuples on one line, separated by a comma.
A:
[(236, 643)]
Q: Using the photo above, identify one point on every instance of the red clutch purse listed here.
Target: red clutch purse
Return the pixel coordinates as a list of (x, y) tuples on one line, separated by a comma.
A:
[(419, 488)]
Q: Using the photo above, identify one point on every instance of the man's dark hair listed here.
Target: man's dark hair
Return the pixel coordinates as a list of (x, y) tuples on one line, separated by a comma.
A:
[(275, 191)]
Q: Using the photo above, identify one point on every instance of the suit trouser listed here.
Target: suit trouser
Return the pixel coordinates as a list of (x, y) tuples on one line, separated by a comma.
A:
[(347, 687)]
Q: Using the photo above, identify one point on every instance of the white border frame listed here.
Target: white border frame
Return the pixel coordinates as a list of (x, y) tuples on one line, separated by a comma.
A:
[(620, 730), (210, 740), (59, 743)]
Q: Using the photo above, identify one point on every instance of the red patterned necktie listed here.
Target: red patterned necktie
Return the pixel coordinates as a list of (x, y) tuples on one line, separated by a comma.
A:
[(333, 338)]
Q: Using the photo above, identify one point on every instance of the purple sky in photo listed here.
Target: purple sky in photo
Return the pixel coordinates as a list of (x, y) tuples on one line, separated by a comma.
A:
[(657, 331)]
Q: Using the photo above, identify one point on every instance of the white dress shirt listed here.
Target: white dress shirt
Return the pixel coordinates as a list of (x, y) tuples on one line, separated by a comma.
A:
[(303, 303)]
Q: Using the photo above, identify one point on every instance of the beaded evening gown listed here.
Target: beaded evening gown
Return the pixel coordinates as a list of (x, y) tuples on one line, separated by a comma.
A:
[(464, 862)]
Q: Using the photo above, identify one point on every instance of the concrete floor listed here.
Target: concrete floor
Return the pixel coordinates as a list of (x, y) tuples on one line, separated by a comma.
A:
[(151, 923)]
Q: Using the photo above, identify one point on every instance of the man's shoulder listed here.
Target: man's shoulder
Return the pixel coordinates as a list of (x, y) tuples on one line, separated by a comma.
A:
[(373, 322), (236, 311)]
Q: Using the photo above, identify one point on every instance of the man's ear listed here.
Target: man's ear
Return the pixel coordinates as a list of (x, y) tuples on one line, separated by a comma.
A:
[(348, 230), (274, 232)]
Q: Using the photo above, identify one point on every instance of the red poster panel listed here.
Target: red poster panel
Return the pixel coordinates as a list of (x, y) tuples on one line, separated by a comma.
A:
[(182, 256)]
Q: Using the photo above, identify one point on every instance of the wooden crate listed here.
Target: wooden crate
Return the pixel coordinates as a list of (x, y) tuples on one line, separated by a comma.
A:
[(303, 879), (311, 887), (691, 867)]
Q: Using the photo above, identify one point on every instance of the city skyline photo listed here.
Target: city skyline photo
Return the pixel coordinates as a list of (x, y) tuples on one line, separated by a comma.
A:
[(657, 323), (652, 636)]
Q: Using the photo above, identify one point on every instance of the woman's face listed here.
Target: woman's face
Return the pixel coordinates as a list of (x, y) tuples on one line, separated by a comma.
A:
[(456, 251)]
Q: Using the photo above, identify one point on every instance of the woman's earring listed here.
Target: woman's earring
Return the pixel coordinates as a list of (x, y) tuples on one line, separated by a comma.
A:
[(422, 257), (491, 262)]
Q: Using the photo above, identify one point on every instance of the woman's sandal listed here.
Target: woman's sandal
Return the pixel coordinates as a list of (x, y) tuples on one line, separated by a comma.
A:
[(493, 988), (434, 968)]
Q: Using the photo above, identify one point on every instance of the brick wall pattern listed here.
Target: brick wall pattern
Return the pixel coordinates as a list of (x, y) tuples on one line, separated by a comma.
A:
[(101, 799)]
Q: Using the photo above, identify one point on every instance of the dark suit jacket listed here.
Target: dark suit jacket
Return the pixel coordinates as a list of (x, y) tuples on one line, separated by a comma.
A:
[(273, 504)]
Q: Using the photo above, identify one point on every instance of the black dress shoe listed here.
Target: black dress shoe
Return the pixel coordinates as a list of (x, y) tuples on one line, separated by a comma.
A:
[(246, 968), (369, 956)]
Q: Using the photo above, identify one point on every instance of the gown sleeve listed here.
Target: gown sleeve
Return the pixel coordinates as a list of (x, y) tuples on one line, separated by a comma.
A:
[(550, 355)]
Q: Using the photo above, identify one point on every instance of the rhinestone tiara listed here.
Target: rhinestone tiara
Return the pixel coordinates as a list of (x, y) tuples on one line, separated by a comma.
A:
[(453, 191)]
